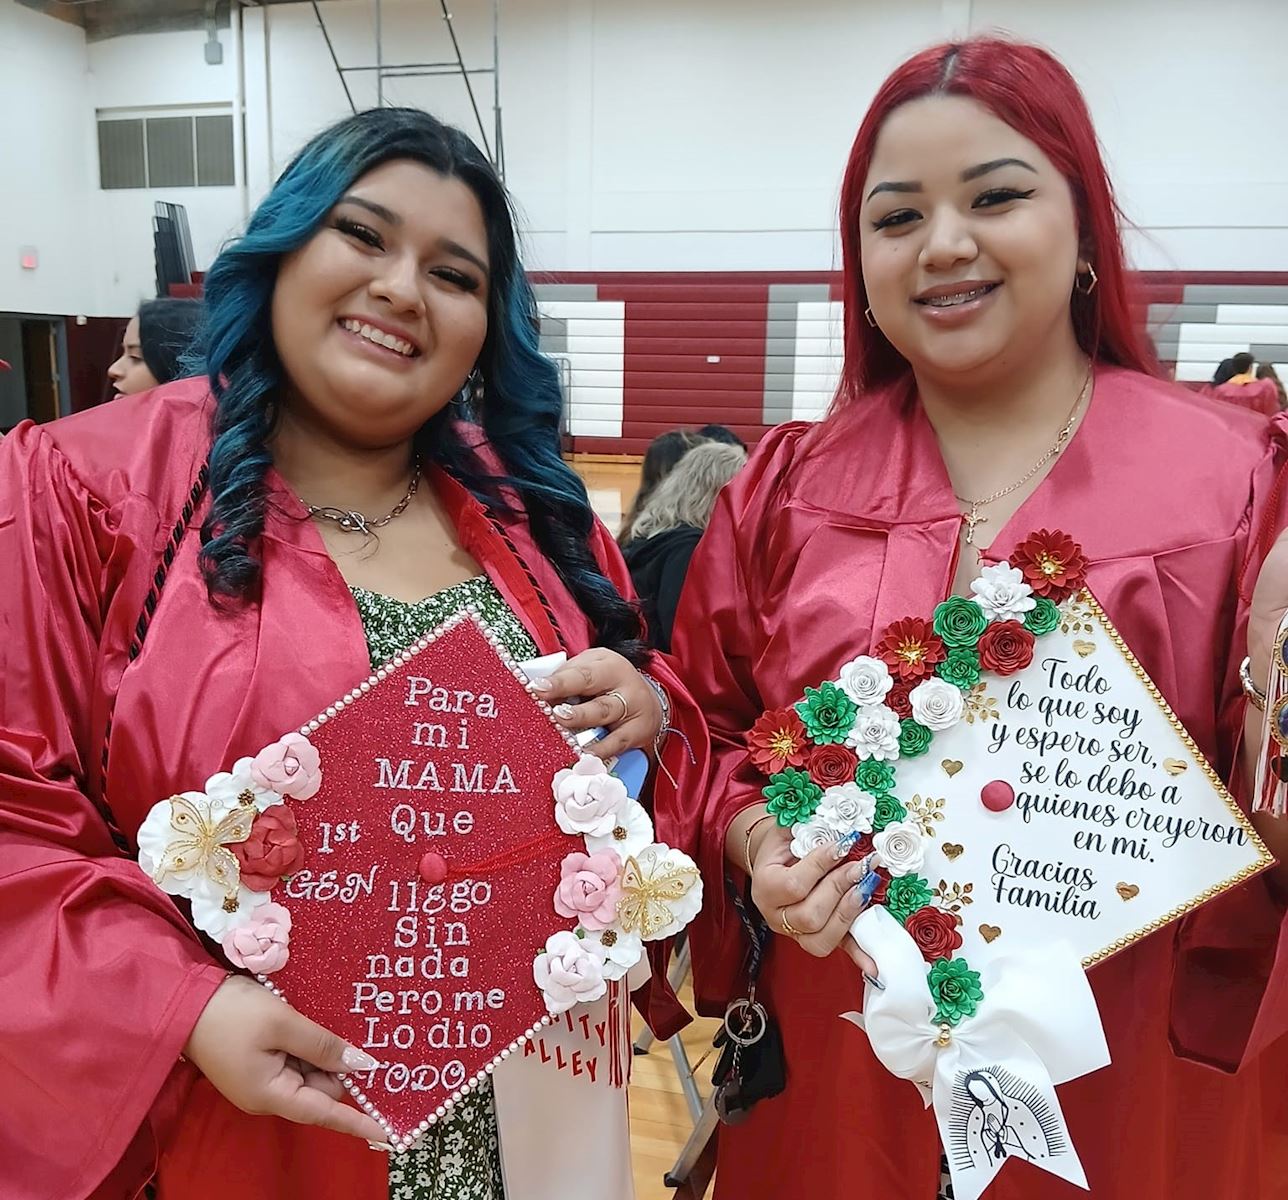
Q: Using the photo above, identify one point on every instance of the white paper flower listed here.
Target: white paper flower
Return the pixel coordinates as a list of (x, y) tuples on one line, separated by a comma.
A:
[(620, 950), (661, 892), (865, 680), (238, 787), (183, 842), (1002, 593), (632, 832), (875, 733), (847, 808), (569, 971), (218, 913), (901, 847), (588, 799), (937, 704), (810, 835)]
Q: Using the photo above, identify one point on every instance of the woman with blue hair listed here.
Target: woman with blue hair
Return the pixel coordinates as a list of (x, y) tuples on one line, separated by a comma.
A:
[(374, 447)]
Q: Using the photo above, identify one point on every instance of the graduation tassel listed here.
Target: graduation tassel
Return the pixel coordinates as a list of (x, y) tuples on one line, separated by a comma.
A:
[(1271, 782)]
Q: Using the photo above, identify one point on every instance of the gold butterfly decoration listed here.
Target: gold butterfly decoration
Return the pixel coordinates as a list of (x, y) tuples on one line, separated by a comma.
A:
[(200, 843), (649, 889)]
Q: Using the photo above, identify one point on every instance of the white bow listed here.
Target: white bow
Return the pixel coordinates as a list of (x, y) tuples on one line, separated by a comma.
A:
[(991, 1077)]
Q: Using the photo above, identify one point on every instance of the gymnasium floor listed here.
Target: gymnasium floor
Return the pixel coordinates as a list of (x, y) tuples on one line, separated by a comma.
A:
[(660, 1121)]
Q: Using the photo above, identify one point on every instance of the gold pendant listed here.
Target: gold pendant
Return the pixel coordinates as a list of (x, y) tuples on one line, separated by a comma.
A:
[(972, 519)]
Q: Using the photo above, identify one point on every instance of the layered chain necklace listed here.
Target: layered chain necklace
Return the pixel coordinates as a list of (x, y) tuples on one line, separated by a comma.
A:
[(972, 515), (356, 522)]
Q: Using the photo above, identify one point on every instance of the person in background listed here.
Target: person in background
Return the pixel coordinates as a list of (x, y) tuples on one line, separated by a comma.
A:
[(663, 453), (669, 529), (153, 345), (1267, 371), (721, 433), (1235, 382)]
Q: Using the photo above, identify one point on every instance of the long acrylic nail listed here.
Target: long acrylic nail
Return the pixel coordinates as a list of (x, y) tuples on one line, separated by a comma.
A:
[(563, 711), (846, 844), (874, 981), (542, 685), (358, 1060), (868, 886)]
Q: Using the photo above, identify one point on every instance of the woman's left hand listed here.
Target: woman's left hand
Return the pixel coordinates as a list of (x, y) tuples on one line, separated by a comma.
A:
[(612, 694)]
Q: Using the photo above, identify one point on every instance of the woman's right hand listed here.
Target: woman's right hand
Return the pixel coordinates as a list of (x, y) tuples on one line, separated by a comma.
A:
[(817, 896), (267, 1059)]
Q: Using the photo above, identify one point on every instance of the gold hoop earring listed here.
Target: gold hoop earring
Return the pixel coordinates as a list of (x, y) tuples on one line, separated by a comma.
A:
[(1091, 286), (867, 312)]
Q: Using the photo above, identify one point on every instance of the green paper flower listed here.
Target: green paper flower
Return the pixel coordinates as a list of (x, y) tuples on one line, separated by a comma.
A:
[(914, 738), (1043, 617), (959, 622), (905, 895), (792, 796), (827, 714), (875, 776), (887, 811), (960, 668), (955, 988)]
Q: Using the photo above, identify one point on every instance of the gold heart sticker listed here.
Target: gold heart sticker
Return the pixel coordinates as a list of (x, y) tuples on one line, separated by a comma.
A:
[(952, 850), (951, 766), (1128, 891), (990, 933), (1175, 766), (1082, 648)]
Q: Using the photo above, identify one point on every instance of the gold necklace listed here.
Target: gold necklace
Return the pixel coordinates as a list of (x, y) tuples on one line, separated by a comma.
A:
[(972, 518), (355, 522)]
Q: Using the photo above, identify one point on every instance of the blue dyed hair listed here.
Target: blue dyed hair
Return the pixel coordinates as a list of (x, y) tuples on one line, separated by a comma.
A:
[(521, 399)]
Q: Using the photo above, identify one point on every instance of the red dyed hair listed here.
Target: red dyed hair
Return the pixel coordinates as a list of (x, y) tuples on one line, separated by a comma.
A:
[(1026, 87)]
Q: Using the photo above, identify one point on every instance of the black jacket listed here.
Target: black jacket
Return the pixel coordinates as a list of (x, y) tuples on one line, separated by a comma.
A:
[(658, 565)]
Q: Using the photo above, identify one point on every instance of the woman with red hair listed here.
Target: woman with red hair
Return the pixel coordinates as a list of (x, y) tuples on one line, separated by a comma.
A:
[(994, 384)]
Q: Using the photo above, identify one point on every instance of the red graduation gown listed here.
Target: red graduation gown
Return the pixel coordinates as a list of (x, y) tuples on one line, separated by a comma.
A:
[(830, 533), (101, 978)]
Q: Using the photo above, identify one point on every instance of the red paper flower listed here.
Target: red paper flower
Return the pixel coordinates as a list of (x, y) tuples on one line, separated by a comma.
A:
[(879, 896), (777, 740), (899, 698), (1006, 647), (911, 648), (935, 932), (1053, 564), (832, 765), (272, 850), (861, 848)]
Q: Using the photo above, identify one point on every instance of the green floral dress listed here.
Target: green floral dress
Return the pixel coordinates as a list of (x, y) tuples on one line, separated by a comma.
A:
[(460, 1157)]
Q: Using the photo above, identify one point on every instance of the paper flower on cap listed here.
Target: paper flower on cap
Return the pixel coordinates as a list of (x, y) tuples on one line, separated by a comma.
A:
[(271, 850), (832, 765), (620, 950), (589, 889), (570, 970), (910, 648), (847, 808), (874, 733), (1002, 593), (632, 832), (291, 766), (183, 842), (827, 713), (791, 796), (901, 848), (777, 740), (866, 680), (219, 912), (1007, 647), (937, 705), (811, 834), (237, 788), (1052, 563), (661, 892), (588, 799), (261, 945)]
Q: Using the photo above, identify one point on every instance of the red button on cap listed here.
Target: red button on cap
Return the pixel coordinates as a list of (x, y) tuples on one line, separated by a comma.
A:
[(997, 796), (433, 867)]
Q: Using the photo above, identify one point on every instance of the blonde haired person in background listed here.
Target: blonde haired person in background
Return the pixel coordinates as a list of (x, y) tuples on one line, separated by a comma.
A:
[(669, 527)]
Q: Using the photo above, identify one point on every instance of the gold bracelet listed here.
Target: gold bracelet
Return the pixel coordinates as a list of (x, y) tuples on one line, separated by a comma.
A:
[(1254, 694), (746, 845)]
